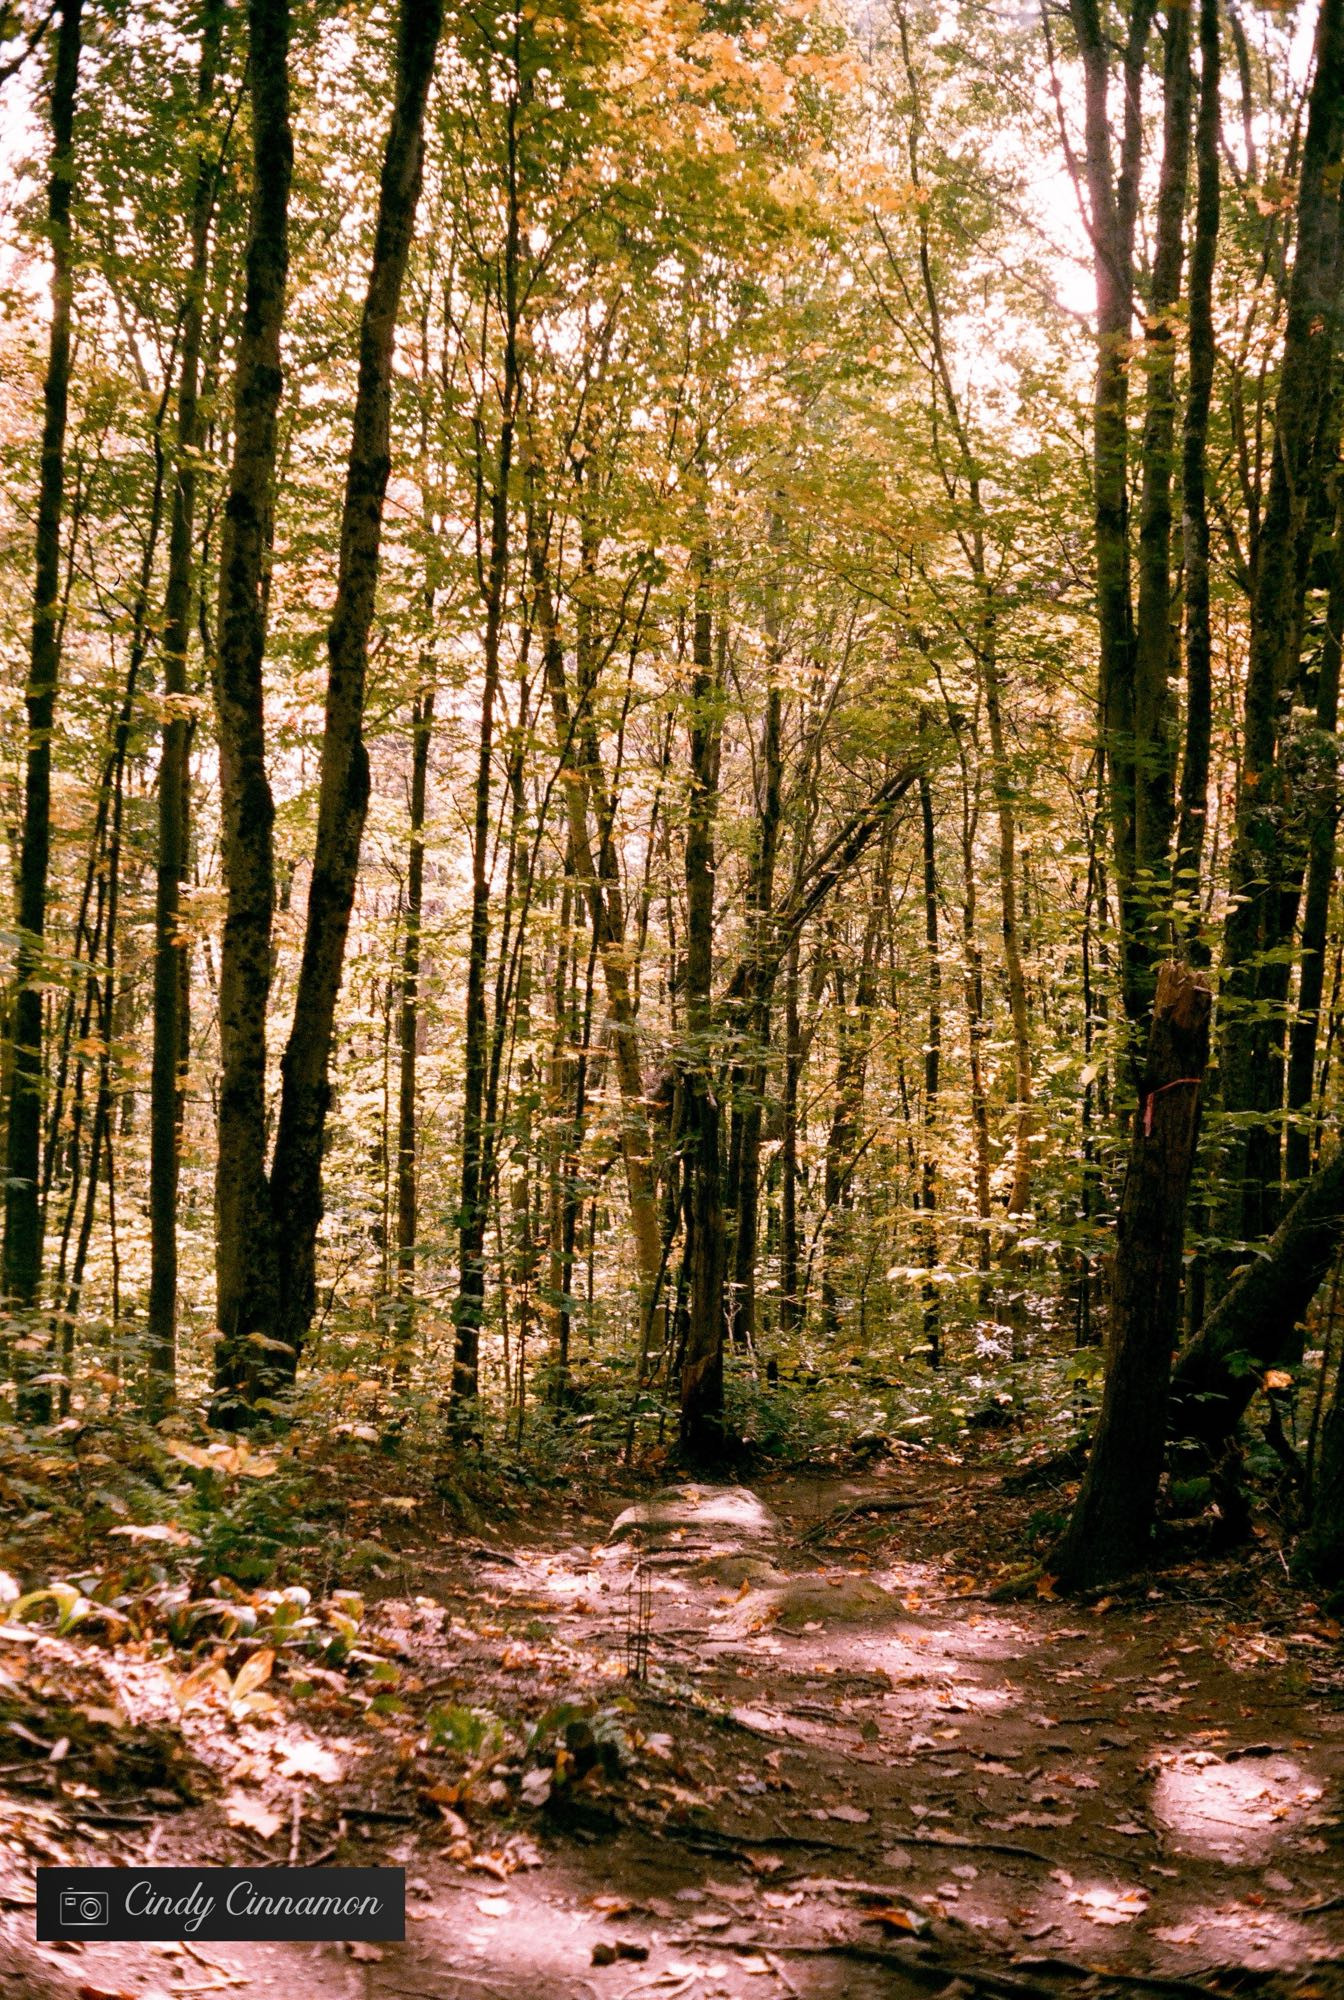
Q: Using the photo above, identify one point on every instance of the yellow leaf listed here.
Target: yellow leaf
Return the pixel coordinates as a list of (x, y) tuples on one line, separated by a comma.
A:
[(253, 1672)]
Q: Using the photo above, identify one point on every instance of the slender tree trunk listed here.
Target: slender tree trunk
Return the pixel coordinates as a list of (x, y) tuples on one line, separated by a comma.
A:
[(561, 1165), (469, 1307), (343, 790), (171, 961), (702, 1435), (1113, 201), (750, 1069), (585, 793), (1019, 1195), (1113, 1517), (1322, 815), (933, 1054), (21, 1276), (790, 1303), (1194, 486), (1264, 869), (977, 1031), (408, 1037), (1154, 741), (843, 1139), (245, 1251)]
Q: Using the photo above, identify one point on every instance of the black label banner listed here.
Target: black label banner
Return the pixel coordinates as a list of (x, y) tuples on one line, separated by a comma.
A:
[(166, 1904)]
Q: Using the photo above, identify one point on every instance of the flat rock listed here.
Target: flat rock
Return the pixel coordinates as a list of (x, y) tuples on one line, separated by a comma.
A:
[(697, 1518)]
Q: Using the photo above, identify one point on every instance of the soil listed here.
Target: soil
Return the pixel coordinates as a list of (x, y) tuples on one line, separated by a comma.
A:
[(786, 1744)]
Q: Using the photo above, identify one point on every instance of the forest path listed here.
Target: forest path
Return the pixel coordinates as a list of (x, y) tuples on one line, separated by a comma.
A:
[(846, 1773)]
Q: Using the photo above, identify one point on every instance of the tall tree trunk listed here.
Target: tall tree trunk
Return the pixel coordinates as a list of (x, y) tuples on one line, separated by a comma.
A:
[(245, 1372), (933, 1054), (1019, 1195), (1113, 1517), (21, 1276), (586, 793), (702, 1435), (1113, 202), (343, 790), (843, 1138), (1322, 813), (977, 1031), (1154, 741), (408, 1036), (469, 1306), (1194, 486), (561, 1163), (749, 1078), (245, 1253), (1265, 870), (171, 961), (790, 1303)]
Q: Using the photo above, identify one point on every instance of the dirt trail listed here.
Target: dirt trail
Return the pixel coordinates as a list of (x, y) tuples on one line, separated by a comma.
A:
[(845, 1774)]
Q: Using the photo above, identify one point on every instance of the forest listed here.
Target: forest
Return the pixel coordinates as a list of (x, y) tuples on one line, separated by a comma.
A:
[(669, 772)]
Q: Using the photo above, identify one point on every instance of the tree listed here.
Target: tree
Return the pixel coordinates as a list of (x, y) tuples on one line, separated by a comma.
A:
[(1112, 1520), (21, 1277)]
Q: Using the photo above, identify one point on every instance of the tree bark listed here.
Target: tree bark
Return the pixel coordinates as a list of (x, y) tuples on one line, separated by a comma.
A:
[(933, 1053), (1322, 812), (21, 1275), (1194, 487), (256, 1361), (790, 1302), (343, 791), (749, 1068), (469, 1305), (702, 1434), (171, 961), (245, 1255), (851, 1072), (1154, 738), (584, 787), (1265, 872), (1112, 201), (1113, 1517), (408, 1037)]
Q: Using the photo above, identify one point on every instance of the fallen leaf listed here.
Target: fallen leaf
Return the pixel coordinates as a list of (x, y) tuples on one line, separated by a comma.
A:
[(303, 1759), (1112, 1906), (254, 1814), (894, 1918), (254, 1670)]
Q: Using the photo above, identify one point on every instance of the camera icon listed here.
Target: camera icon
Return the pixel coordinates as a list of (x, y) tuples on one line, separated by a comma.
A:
[(84, 1909)]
